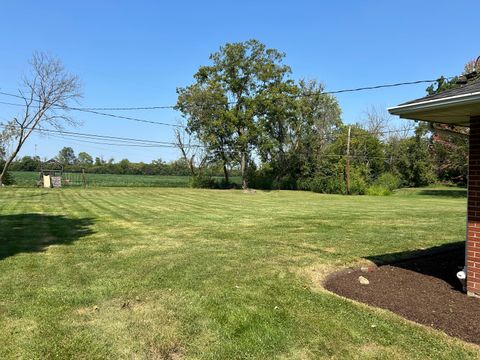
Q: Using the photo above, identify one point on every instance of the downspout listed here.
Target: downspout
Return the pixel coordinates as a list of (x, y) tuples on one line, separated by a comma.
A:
[(462, 275)]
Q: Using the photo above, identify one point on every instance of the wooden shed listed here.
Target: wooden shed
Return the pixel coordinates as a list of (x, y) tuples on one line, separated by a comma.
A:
[(459, 106)]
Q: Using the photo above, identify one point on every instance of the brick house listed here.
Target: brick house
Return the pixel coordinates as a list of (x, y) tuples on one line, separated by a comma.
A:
[(459, 106)]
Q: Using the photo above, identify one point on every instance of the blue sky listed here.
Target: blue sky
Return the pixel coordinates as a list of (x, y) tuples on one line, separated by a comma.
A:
[(135, 53)]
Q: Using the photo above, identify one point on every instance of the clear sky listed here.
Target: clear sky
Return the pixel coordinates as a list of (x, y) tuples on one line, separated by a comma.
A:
[(135, 53)]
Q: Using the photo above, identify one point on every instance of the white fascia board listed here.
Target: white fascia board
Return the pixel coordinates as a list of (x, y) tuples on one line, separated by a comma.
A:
[(463, 99)]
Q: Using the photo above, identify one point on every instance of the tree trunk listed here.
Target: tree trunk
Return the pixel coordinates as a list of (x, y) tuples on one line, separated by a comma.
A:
[(10, 159), (243, 167), (225, 172)]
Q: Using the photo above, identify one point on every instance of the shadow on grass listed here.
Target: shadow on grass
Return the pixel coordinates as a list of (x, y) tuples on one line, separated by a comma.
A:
[(27, 233), (442, 262), (454, 193)]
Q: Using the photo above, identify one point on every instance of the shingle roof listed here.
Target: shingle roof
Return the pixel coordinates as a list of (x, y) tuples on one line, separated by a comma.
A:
[(472, 86)]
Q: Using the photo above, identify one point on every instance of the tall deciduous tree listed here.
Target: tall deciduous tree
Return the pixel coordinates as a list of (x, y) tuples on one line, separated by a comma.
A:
[(46, 94), (297, 125), (223, 106), (450, 143), (66, 156), (84, 158)]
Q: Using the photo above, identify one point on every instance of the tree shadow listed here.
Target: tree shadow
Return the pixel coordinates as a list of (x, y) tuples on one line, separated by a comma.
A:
[(27, 233), (442, 262), (453, 193)]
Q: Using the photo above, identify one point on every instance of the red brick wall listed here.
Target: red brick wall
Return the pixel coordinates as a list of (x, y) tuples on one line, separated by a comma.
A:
[(473, 220)]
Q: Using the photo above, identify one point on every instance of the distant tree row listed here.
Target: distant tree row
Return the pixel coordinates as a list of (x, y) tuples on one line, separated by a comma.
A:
[(83, 161)]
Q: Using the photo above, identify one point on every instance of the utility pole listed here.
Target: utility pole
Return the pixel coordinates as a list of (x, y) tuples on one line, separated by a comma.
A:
[(347, 165)]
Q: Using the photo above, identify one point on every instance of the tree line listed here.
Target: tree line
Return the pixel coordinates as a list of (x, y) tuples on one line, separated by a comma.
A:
[(382, 158), (248, 113), (70, 162)]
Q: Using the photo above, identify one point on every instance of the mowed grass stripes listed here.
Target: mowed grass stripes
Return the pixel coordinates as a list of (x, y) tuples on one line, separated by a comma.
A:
[(182, 273)]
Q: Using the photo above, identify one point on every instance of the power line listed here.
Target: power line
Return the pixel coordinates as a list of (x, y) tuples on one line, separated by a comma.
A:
[(127, 141), (118, 140), (111, 144), (364, 88), (86, 110), (95, 110), (123, 117), (108, 137), (382, 86)]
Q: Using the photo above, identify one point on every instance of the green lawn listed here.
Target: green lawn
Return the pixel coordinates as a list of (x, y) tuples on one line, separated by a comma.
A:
[(160, 273)]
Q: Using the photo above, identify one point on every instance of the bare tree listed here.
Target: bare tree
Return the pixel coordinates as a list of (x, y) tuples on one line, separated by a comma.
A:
[(381, 124), (193, 154), (377, 120), (46, 93)]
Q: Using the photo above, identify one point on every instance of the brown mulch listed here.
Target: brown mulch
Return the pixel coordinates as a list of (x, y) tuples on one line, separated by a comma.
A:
[(424, 290)]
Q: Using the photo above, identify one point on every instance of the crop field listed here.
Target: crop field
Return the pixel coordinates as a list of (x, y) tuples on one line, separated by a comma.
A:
[(29, 179), (162, 273)]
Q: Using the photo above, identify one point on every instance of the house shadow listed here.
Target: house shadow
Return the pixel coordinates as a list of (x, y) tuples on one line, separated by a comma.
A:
[(442, 262), (451, 193), (29, 233)]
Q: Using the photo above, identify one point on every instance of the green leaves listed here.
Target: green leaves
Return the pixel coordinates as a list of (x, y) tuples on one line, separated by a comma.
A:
[(224, 106)]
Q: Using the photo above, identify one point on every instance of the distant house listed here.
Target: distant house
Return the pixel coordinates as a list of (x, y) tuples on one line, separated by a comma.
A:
[(458, 106)]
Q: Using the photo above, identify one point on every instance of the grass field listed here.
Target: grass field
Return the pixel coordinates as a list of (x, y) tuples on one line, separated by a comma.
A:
[(159, 273), (30, 178)]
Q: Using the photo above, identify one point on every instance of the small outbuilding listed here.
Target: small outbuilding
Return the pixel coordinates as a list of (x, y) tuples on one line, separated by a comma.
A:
[(51, 174), (459, 106)]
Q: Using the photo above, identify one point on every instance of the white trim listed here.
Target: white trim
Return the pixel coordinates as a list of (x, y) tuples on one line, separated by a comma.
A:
[(435, 103)]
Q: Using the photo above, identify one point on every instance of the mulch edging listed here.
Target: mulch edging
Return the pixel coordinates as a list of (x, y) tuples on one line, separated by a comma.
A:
[(424, 290)]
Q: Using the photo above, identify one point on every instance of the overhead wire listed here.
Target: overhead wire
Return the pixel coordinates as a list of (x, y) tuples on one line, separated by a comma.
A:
[(119, 141), (86, 110), (112, 139), (160, 107), (97, 110)]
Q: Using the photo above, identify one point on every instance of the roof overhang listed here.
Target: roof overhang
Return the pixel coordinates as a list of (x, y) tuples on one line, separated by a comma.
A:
[(455, 110)]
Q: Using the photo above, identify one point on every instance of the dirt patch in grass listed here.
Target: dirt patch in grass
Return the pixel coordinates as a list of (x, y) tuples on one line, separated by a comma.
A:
[(165, 352), (424, 290)]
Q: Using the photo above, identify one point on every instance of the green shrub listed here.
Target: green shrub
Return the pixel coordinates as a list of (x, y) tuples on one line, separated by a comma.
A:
[(207, 182), (260, 179), (378, 190), (358, 184), (203, 182), (8, 179), (323, 184), (287, 182), (384, 185), (389, 181)]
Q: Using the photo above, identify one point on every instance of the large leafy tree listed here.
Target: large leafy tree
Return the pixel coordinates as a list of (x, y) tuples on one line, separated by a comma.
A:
[(450, 143), (66, 156), (366, 151), (85, 158), (224, 105), (410, 157), (297, 128)]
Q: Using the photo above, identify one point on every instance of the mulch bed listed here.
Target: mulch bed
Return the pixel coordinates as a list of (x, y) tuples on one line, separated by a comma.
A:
[(424, 290)]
